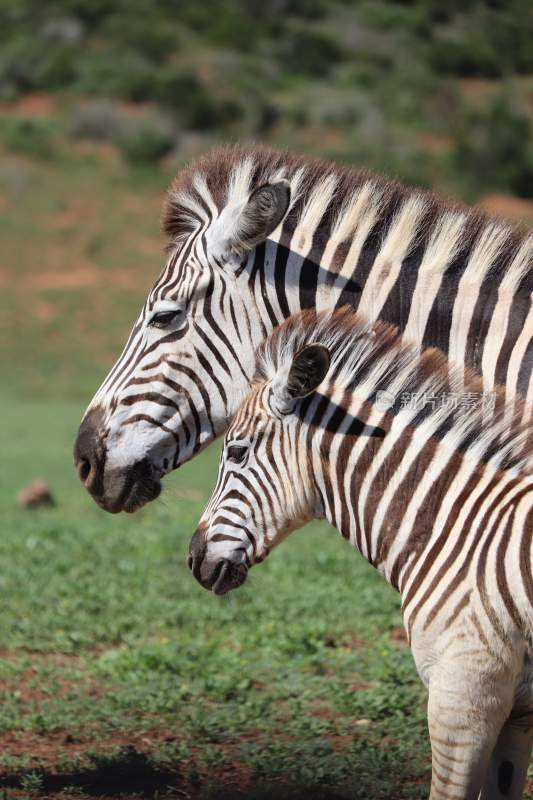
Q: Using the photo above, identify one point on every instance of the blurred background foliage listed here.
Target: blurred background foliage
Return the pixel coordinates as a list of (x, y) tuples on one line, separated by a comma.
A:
[(435, 91)]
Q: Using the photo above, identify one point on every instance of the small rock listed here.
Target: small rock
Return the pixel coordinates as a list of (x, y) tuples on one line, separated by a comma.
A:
[(35, 494)]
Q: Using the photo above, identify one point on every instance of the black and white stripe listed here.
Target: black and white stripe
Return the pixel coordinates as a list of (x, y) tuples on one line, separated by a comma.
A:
[(445, 274), (435, 492)]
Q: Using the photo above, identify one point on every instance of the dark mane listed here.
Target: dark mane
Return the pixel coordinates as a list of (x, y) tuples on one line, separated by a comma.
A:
[(369, 358), (218, 167)]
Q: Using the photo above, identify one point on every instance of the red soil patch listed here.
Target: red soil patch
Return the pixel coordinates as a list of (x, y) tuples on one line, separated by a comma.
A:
[(29, 692), (398, 636), (126, 107), (72, 216), (128, 768), (53, 746), (322, 710), (340, 743), (138, 203), (31, 105), (57, 659), (49, 747), (103, 151), (150, 247), (501, 205), (478, 88), (81, 277), (323, 138), (26, 683), (360, 686), (44, 312), (352, 641), (133, 108), (435, 143)]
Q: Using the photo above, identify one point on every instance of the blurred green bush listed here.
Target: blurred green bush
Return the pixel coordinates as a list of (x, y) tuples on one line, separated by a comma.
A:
[(31, 136), (405, 85), (495, 149), (145, 141)]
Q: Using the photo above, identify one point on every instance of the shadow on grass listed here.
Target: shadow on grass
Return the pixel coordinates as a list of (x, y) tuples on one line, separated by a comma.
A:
[(132, 774)]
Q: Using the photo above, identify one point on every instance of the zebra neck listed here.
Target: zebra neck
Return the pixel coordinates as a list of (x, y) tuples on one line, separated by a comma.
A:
[(400, 499), (426, 279)]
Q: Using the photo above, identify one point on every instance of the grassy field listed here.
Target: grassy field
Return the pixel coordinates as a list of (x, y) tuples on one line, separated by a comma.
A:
[(120, 676)]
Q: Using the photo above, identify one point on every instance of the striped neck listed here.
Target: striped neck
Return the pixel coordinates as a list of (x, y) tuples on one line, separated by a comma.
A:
[(442, 272), (397, 494), (392, 437)]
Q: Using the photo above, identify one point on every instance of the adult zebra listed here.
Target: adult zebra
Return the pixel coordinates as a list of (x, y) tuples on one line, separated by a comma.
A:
[(256, 235), (347, 422)]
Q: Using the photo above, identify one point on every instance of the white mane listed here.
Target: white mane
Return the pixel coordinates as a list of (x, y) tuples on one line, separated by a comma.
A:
[(342, 205), (372, 360)]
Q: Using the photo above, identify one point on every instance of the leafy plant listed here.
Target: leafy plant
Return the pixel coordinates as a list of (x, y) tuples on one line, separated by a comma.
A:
[(28, 135), (494, 149), (145, 141)]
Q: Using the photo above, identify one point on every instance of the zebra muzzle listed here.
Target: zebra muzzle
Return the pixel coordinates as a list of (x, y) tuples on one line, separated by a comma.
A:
[(123, 488), (219, 575)]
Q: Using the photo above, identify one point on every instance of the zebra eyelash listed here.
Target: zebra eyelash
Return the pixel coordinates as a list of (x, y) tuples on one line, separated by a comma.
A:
[(236, 453), (162, 319)]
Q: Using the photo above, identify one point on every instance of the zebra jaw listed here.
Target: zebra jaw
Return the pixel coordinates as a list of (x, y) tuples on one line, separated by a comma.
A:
[(134, 490)]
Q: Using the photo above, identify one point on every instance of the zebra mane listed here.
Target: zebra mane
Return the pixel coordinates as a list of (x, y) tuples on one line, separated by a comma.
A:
[(372, 360), (338, 204)]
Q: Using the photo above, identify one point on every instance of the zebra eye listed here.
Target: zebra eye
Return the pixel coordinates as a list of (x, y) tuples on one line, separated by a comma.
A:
[(162, 319), (236, 453)]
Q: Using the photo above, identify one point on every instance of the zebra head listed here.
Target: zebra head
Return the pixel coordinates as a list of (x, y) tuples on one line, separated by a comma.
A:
[(264, 490), (180, 376)]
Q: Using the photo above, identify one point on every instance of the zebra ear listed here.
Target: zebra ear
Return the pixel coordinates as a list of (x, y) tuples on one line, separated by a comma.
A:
[(239, 229), (309, 367), (262, 214)]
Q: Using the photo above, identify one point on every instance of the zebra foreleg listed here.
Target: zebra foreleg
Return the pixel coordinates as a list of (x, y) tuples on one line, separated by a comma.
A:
[(509, 761), (463, 736)]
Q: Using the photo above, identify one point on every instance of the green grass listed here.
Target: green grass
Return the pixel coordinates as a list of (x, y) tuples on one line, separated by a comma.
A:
[(113, 656), (69, 229)]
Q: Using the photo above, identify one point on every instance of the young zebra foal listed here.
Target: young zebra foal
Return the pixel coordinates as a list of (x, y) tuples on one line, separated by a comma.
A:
[(432, 484)]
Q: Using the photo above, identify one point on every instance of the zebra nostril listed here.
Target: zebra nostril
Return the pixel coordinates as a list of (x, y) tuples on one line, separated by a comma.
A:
[(89, 451), (84, 469), (197, 550)]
